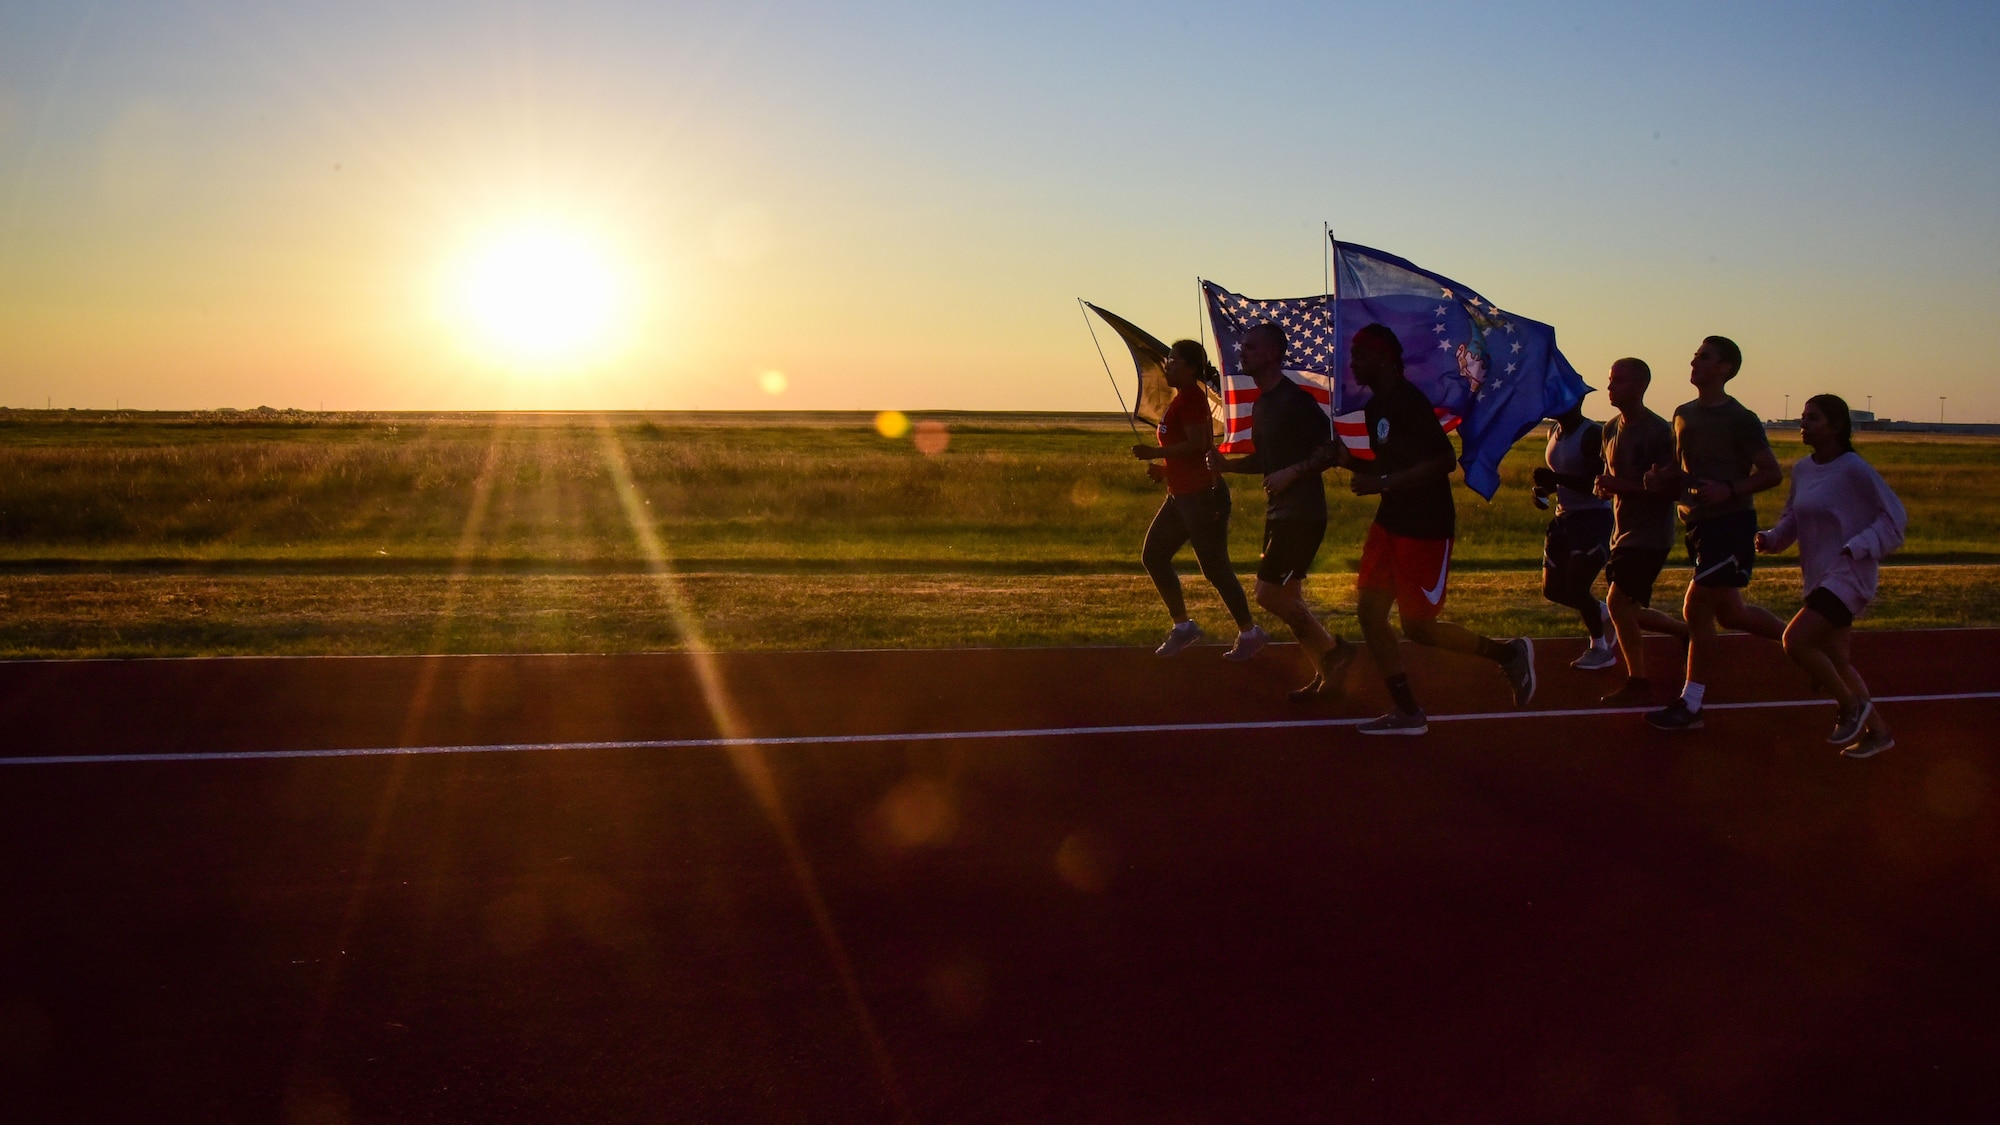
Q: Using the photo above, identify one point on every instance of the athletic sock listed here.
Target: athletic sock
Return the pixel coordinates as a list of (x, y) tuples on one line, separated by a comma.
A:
[(1495, 651), (1691, 695), (1399, 690)]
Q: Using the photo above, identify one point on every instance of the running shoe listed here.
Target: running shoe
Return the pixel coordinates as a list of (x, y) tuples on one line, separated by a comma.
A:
[(1870, 745), (1308, 693), (1178, 638), (1249, 643), (1674, 716), (1596, 656), (1847, 725), (1520, 669), (1635, 693), (1396, 722), (1333, 663)]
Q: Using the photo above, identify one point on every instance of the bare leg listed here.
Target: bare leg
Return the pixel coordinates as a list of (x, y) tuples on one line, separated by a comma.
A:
[(1447, 636), (1625, 625), (1700, 609), (1287, 603), (1852, 679), (1372, 607), (1732, 612), (1813, 644)]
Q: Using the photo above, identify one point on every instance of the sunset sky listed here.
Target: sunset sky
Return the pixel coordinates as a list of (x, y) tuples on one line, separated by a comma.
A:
[(897, 205)]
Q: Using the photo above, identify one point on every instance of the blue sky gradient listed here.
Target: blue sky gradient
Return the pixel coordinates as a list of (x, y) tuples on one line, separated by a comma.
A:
[(218, 203)]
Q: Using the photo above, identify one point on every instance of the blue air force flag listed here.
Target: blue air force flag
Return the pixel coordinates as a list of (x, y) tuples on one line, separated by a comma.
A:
[(1489, 374)]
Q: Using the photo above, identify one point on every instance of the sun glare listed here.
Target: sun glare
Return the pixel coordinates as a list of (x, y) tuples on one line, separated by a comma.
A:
[(540, 298)]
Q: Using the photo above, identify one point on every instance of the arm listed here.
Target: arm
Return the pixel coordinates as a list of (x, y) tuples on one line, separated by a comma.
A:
[(1764, 473), (1193, 443), (1885, 533), (1325, 456), (1249, 463), (1786, 532), (1369, 484)]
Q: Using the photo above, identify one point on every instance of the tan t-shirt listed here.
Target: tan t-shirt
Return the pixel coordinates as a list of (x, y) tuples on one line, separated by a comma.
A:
[(1716, 443)]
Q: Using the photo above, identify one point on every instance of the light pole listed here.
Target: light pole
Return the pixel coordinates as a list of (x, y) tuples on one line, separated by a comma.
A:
[(1788, 406)]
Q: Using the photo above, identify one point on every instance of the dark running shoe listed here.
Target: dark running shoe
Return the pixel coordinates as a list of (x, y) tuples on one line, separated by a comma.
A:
[(1847, 725), (1308, 693), (1520, 669), (1635, 693), (1870, 745), (1335, 662), (1674, 716), (1396, 722)]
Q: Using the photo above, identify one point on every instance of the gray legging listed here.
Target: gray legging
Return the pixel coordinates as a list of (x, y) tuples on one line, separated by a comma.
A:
[(1201, 518)]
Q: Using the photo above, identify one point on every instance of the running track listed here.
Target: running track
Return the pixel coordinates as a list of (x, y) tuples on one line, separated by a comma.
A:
[(892, 908)]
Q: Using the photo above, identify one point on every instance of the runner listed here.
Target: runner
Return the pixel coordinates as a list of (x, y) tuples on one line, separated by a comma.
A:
[(1196, 510), (1286, 426), (1578, 541), (1845, 520), (1635, 441), (1722, 460), (1406, 560)]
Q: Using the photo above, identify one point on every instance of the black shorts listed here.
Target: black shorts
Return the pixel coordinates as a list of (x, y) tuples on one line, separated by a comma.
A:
[(1289, 547), (1633, 570), (1587, 533), (1723, 550), (1827, 604)]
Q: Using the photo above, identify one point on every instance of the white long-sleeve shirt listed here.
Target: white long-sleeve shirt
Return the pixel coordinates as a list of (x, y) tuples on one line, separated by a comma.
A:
[(1845, 521)]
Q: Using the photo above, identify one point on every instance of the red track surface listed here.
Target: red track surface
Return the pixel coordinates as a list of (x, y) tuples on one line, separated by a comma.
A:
[(1537, 918)]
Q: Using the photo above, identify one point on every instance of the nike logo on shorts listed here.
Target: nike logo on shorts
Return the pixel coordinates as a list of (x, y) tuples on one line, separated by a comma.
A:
[(1435, 592)]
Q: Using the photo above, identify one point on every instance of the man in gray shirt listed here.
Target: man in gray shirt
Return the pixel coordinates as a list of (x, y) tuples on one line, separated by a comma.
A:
[(1636, 441), (1723, 459)]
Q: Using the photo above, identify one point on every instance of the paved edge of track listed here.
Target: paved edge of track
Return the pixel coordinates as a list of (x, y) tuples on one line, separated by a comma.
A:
[(916, 736)]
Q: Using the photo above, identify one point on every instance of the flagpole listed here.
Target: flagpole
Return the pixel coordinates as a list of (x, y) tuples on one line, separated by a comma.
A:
[(1092, 329), (1328, 248), (1201, 312)]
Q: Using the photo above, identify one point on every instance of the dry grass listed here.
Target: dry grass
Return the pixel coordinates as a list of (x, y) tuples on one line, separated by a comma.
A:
[(1053, 495), (179, 615)]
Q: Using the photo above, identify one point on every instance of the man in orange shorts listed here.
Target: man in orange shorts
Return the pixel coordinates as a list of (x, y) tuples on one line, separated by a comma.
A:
[(1406, 561)]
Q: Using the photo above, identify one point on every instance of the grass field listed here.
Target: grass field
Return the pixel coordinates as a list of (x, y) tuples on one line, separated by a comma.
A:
[(126, 534)]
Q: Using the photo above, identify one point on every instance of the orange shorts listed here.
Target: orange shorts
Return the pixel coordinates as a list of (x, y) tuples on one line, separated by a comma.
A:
[(1416, 569)]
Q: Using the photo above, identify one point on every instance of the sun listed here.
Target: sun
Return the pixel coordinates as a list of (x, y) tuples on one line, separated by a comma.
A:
[(539, 297)]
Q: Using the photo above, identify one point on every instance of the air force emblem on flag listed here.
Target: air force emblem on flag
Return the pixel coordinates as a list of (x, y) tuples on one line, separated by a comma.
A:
[(1381, 431)]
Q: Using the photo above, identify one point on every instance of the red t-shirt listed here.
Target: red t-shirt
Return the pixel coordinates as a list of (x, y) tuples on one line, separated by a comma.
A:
[(1191, 473)]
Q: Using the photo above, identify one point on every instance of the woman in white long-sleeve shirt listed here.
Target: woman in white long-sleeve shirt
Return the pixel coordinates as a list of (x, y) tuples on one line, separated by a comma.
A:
[(1845, 521)]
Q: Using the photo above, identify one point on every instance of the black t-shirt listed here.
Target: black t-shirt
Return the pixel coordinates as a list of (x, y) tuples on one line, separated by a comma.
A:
[(1403, 430), (1287, 424)]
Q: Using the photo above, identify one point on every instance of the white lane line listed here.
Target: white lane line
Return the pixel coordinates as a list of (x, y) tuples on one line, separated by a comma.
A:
[(923, 736)]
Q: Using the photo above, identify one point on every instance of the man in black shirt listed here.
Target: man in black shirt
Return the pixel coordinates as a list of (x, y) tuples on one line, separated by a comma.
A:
[(1286, 425), (1406, 560)]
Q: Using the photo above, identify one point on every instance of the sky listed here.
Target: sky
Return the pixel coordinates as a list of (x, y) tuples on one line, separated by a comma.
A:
[(897, 205)]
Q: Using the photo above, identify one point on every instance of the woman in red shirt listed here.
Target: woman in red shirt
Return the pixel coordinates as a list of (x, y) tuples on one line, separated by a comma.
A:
[(1196, 511)]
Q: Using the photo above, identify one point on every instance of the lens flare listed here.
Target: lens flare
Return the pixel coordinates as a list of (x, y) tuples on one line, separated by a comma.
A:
[(892, 424)]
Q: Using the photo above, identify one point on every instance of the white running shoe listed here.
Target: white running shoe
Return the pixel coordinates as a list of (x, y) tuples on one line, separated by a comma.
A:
[(1178, 638), (1249, 643), (1598, 655)]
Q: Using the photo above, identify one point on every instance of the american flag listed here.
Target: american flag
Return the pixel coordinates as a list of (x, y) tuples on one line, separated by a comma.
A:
[(1309, 359)]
